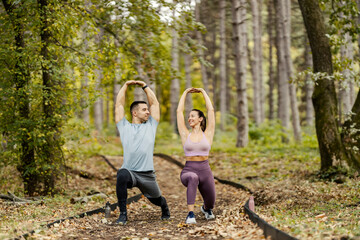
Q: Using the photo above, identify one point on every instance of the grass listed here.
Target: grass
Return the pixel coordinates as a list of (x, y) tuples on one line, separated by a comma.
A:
[(288, 193)]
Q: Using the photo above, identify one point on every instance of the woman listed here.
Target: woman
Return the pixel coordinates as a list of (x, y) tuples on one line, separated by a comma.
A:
[(197, 144)]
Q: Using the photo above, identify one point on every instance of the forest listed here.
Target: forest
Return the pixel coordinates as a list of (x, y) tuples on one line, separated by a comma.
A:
[(283, 79)]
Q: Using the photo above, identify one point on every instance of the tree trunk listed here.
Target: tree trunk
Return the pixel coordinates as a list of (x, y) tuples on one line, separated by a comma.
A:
[(332, 150), (309, 86), (283, 85), (22, 79), (188, 100), (116, 85), (289, 69), (204, 76), (139, 94), (270, 27), (222, 66), (351, 135), (240, 50), (358, 22), (175, 85), (345, 90), (51, 99), (98, 105), (85, 83), (215, 62), (256, 62)]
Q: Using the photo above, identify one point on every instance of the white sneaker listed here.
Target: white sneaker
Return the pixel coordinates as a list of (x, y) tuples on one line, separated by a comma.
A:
[(208, 213), (190, 219)]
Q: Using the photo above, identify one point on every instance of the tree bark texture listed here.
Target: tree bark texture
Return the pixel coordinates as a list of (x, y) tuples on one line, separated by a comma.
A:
[(309, 85), (98, 105), (270, 27), (240, 50), (22, 79), (51, 100), (188, 100), (351, 135), (85, 83), (222, 66), (175, 85), (332, 150), (346, 90), (257, 63), (289, 69), (283, 84), (199, 37)]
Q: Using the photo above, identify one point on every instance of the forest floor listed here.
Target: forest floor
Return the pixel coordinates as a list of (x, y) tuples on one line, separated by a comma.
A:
[(143, 217), (288, 190)]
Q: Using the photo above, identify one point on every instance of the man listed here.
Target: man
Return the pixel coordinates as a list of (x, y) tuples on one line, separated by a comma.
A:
[(138, 139)]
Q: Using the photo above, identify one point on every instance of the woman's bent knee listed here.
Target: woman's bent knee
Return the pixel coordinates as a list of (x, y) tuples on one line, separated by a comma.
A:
[(189, 178)]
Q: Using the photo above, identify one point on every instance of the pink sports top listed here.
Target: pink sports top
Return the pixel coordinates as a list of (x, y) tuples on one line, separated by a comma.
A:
[(201, 148)]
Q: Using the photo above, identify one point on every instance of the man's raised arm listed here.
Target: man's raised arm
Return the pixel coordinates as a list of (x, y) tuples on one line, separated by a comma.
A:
[(120, 101), (154, 105)]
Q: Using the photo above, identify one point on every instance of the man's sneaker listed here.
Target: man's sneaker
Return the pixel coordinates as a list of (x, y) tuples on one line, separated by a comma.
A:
[(208, 213), (165, 213), (122, 218), (190, 219)]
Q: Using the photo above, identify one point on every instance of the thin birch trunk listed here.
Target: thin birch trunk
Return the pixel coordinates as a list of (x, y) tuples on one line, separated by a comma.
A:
[(309, 85), (98, 105), (175, 85), (289, 67), (116, 85), (188, 100), (222, 64), (139, 94), (270, 27), (199, 37), (283, 85), (85, 84), (256, 62), (240, 49)]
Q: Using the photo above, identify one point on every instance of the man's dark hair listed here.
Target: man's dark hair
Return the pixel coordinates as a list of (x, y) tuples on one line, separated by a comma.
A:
[(203, 122), (135, 104)]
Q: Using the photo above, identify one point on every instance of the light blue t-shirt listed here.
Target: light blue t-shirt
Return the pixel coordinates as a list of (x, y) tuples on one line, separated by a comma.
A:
[(138, 142)]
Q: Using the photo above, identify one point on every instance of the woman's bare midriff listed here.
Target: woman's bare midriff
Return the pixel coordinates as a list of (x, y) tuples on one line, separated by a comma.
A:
[(197, 158)]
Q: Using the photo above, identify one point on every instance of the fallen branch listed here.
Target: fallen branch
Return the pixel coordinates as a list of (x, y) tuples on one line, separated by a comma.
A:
[(109, 163), (13, 198), (88, 198)]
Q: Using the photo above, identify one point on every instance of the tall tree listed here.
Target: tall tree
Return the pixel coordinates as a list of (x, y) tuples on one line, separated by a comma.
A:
[(199, 37), (270, 28), (282, 80), (240, 47), (175, 84), (188, 100), (21, 79), (309, 85), (98, 105), (256, 64), (289, 69), (335, 150), (222, 67)]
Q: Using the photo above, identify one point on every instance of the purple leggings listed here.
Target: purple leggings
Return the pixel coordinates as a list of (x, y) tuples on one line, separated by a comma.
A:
[(198, 175)]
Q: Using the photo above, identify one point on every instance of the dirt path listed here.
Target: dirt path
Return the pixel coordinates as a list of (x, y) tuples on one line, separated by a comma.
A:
[(144, 218)]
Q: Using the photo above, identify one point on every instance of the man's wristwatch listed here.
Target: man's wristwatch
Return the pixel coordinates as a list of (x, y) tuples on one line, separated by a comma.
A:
[(144, 87)]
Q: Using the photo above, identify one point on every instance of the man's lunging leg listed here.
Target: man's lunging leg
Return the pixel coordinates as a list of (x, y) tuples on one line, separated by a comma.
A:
[(161, 202), (123, 182)]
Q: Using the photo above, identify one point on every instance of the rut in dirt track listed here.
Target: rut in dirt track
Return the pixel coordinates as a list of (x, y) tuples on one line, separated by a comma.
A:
[(144, 218)]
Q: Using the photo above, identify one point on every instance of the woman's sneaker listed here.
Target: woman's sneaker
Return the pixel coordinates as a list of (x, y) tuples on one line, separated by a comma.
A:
[(190, 219), (208, 213)]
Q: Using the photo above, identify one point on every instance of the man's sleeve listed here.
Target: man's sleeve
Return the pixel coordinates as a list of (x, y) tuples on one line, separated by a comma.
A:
[(153, 124), (121, 126)]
